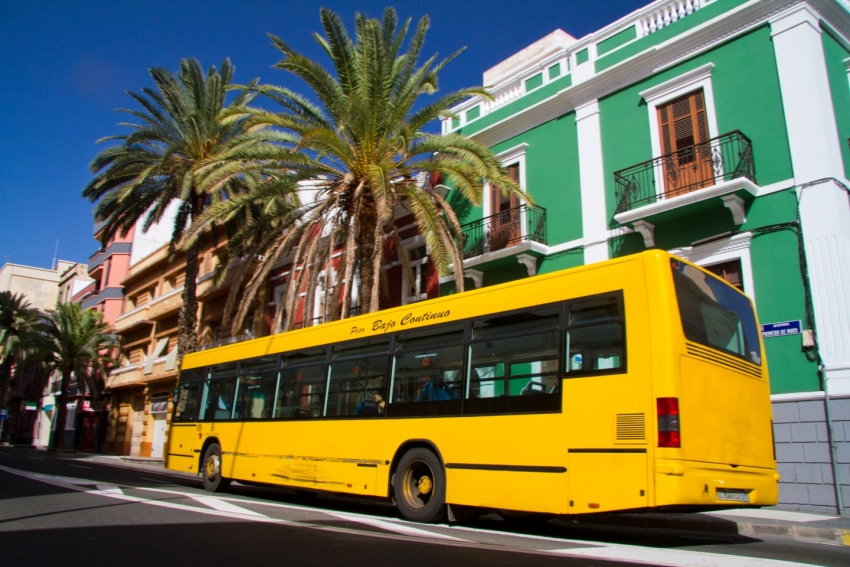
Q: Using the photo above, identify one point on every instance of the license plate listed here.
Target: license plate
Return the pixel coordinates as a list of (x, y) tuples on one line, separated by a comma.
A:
[(735, 495)]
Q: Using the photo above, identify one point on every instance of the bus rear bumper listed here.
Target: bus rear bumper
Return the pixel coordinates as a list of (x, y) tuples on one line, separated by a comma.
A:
[(711, 484)]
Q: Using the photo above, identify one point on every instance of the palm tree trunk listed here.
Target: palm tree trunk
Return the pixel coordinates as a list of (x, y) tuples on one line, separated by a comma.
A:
[(187, 321), (62, 413), (366, 249)]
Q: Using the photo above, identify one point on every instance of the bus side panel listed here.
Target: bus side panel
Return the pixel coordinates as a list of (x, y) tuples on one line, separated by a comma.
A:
[(181, 455), (508, 490), (607, 481), (485, 457), (299, 454)]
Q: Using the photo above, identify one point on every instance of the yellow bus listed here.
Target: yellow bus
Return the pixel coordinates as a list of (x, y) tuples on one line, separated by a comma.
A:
[(631, 384)]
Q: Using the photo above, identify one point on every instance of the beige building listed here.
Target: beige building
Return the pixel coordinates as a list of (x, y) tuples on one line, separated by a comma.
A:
[(40, 286), (142, 385)]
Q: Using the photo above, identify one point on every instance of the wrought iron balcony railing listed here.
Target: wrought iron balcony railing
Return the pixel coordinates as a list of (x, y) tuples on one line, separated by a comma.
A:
[(726, 157), (503, 230)]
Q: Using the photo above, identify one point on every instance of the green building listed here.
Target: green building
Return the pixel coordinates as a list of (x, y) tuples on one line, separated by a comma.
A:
[(718, 130)]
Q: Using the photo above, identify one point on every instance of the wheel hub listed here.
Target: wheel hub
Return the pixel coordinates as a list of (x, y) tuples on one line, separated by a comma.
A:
[(211, 468)]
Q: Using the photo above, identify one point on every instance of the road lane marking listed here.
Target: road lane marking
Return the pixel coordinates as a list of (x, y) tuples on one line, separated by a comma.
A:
[(224, 506), (81, 467), (675, 557)]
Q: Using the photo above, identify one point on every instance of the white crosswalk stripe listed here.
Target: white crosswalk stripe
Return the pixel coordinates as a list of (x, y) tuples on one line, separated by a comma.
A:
[(224, 506), (396, 527)]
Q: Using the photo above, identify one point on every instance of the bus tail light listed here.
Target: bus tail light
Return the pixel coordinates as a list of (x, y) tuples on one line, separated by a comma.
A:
[(668, 422)]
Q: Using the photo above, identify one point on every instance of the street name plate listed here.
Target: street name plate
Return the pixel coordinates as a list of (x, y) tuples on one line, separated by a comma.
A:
[(781, 329)]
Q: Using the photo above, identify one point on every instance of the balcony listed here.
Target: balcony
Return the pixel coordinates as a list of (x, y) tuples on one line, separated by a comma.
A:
[(717, 172), (132, 319), (166, 305), (503, 231)]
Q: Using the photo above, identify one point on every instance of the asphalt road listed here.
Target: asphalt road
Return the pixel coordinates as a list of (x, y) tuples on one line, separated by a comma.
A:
[(70, 511)]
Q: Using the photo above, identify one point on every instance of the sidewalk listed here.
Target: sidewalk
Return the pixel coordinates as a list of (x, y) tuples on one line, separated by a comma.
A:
[(750, 522)]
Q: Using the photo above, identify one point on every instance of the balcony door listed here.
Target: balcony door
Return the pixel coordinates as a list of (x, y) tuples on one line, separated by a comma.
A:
[(506, 224), (686, 164)]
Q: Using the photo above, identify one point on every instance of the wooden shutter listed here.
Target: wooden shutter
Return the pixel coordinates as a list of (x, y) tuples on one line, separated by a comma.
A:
[(141, 299), (172, 343), (137, 355), (729, 271), (683, 126)]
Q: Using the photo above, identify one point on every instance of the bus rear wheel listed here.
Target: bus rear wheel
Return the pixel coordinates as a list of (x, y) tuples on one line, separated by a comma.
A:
[(211, 470), (419, 485)]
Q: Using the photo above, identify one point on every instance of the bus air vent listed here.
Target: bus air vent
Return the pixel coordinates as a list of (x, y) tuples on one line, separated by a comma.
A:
[(730, 362), (631, 427)]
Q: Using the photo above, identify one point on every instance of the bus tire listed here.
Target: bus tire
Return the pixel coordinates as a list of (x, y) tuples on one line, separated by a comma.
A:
[(419, 485), (211, 470)]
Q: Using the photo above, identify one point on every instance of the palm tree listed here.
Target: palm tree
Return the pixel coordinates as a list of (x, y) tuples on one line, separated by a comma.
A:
[(75, 343), (170, 155), (17, 323), (365, 150)]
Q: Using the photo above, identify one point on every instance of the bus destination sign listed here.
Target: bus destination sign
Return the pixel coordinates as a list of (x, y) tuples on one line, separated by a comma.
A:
[(781, 329)]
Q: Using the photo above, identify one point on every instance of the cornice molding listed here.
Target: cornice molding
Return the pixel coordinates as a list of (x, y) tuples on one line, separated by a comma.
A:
[(676, 50), (684, 80)]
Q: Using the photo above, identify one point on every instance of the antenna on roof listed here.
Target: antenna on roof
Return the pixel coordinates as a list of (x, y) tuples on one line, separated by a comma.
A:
[(55, 252)]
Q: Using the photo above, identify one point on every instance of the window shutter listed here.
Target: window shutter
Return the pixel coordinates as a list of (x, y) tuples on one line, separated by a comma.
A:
[(513, 171), (683, 122), (137, 355)]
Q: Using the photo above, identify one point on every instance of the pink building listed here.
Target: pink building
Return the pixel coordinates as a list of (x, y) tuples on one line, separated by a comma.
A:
[(108, 267)]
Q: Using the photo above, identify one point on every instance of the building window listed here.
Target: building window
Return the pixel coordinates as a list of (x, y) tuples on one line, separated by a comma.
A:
[(505, 223), (688, 101), (159, 402), (415, 280), (729, 271)]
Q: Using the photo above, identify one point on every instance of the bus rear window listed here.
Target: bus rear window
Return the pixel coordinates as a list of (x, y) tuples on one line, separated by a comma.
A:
[(714, 314)]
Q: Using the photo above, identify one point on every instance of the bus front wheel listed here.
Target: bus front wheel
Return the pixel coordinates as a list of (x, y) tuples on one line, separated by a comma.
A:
[(419, 486), (211, 470)]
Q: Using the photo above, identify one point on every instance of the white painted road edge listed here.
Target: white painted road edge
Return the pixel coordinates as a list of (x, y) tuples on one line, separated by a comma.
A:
[(223, 507)]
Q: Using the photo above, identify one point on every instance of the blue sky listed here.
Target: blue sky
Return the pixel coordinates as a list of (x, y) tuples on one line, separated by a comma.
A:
[(66, 66)]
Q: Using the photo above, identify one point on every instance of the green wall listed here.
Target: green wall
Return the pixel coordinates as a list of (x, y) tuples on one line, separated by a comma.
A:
[(552, 174), (746, 98)]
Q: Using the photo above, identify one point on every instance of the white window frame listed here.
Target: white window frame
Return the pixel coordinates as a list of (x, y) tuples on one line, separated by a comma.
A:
[(508, 157), (677, 87), (736, 247), (417, 267)]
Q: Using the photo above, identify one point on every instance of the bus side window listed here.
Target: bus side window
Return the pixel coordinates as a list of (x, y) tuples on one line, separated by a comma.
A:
[(595, 336), (513, 364), (301, 391), (357, 386), (428, 372), (187, 399), (220, 391)]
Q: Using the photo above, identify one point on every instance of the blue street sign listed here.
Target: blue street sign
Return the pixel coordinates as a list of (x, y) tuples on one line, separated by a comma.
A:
[(4, 414), (781, 329)]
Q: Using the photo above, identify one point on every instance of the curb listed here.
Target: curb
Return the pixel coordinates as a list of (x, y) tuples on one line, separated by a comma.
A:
[(798, 533), (719, 525)]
